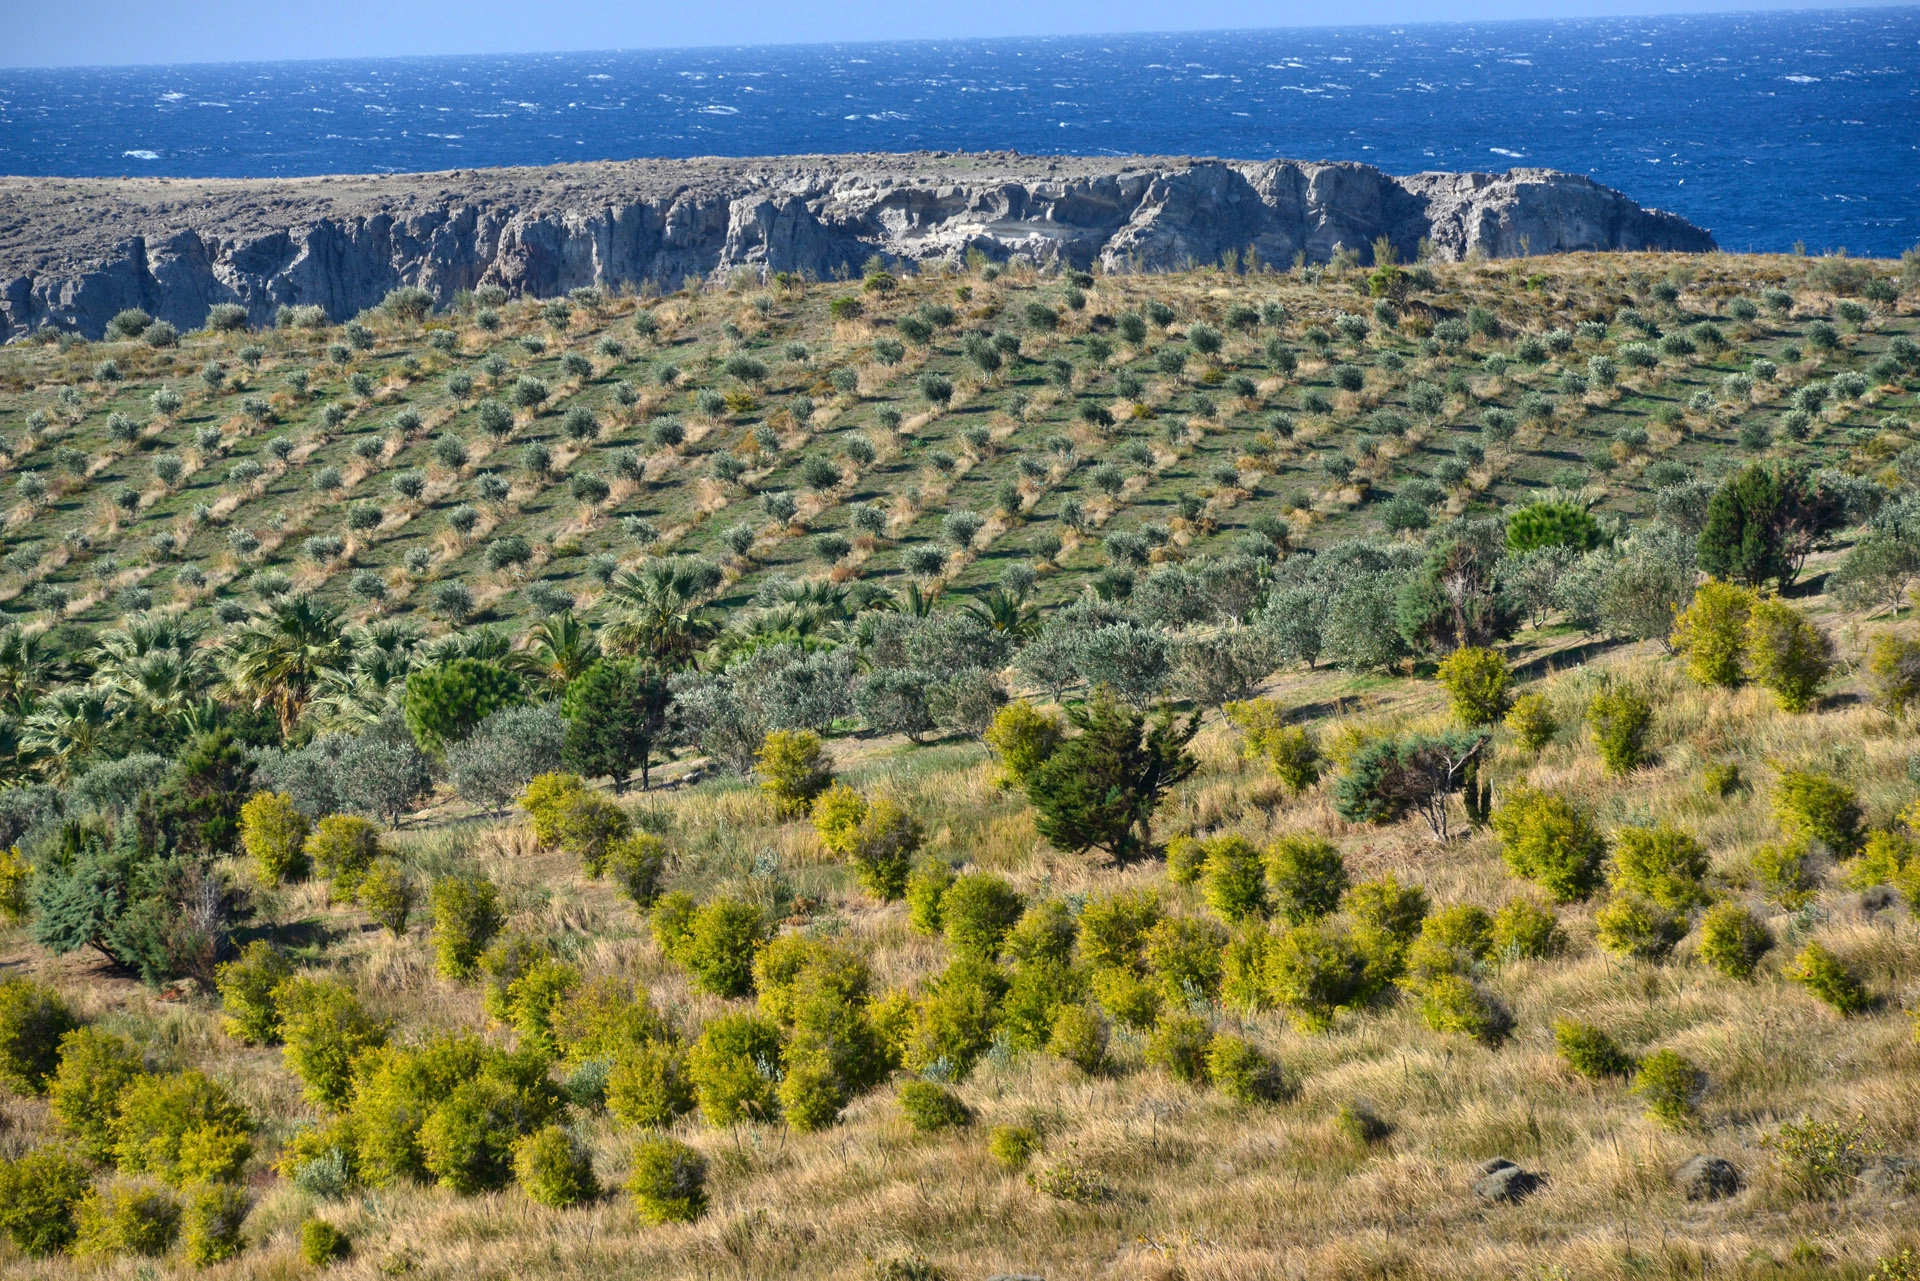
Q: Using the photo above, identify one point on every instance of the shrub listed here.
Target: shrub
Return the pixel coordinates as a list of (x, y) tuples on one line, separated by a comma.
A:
[(1814, 807), (181, 1128), (1453, 941), (648, 1085), (1532, 721), (1313, 972), (1359, 1124), (1619, 719), (96, 1068), (1711, 632), (466, 916), (1012, 1146), (636, 866), (719, 945), (39, 1194), (955, 1023), (977, 911), (33, 1018), (1132, 1001), (1291, 750), (466, 1141), (387, 894), (1307, 875), (1023, 738), (1670, 1086), (668, 1183), (1545, 839), (554, 1168), (325, 1031), (1179, 1045), (1822, 1157), (1663, 863), (590, 825), (1232, 879), (214, 1218), (1633, 925), (546, 800), (1785, 872), (246, 987), (793, 769), (1892, 674), (929, 1107), (1455, 1005), (1733, 939), (322, 1244), (1590, 1051), (1829, 978), (1079, 1035), (730, 1067), (1523, 930), (1478, 683), (926, 888), (1787, 654), (1241, 1072), (341, 848), (127, 1218), (274, 834)]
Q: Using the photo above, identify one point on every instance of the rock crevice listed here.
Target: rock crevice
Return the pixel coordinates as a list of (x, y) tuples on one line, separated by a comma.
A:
[(74, 252)]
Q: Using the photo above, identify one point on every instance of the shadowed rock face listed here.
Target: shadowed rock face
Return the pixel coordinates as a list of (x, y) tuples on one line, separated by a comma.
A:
[(74, 252)]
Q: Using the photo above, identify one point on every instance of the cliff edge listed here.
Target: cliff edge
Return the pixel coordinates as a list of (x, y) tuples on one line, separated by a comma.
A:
[(75, 251)]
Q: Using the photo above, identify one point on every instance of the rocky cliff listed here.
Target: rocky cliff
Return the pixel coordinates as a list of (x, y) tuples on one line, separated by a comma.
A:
[(74, 252)]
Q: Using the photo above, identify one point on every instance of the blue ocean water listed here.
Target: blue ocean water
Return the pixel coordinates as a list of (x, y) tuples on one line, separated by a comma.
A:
[(1767, 128)]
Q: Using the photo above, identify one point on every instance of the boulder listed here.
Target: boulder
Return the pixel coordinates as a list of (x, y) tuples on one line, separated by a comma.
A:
[(1706, 1178), (1503, 1182)]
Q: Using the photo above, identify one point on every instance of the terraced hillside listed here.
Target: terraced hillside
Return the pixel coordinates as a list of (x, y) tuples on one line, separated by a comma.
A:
[(1346, 774)]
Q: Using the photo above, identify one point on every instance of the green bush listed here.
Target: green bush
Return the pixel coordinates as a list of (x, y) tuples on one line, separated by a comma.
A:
[(1733, 939), (1079, 1035), (1590, 1051), (1130, 999), (387, 895), (445, 702), (1662, 863), (534, 998), (637, 865), (246, 986), (1360, 1125), (322, 1244), (1787, 654), (1453, 941), (181, 1128), (1633, 925), (40, 1193), (1179, 1045), (1784, 870), (1046, 931), (1829, 978), (590, 826), (1307, 876), (1232, 879), (1820, 1158), (793, 769), (214, 1216), (467, 1140), (668, 1183), (731, 1069), (1525, 931), (977, 911), (325, 1032), (466, 916), (96, 1068), (1545, 839), (1184, 953), (926, 888), (274, 835), (341, 848), (554, 1168), (1619, 720), (1814, 807), (719, 946), (1185, 857), (33, 1018), (398, 1088), (929, 1107), (648, 1085), (1387, 916), (1478, 683), (1670, 1086), (813, 1092), (1532, 721), (1241, 1072), (1711, 632), (1454, 1004), (127, 1218), (955, 1022), (1113, 928), (1313, 972), (1012, 1146)]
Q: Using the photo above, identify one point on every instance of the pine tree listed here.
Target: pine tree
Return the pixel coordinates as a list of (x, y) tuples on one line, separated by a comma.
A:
[(1100, 788), (615, 712)]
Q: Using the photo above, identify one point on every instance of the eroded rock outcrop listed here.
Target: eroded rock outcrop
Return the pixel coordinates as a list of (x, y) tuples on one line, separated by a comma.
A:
[(74, 252)]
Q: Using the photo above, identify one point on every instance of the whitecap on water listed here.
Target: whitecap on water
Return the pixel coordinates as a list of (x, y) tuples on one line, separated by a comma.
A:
[(142, 155)]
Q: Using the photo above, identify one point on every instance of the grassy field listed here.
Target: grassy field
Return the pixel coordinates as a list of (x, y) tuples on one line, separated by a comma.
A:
[(1362, 1163)]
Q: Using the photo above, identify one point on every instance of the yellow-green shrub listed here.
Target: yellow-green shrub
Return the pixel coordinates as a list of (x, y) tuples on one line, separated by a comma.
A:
[(1012, 1146), (96, 1068), (533, 998), (554, 1168), (1892, 674), (1732, 940), (637, 865), (1532, 721), (127, 1218), (1179, 1045), (1545, 839), (1292, 751), (326, 1032), (1589, 1051), (590, 826), (977, 911), (955, 1021), (668, 1183), (545, 801), (1829, 978), (1023, 737), (1314, 971), (1787, 654), (1079, 1035), (1478, 684), (466, 916), (246, 986), (718, 947), (926, 888), (1633, 925), (929, 1107), (1130, 999), (1184, 954), (214, 1216), (1232, 879), (1663, 863), (40, 1193), (466, 1142), (1784, 870), (725, 1067), (387, 895), (794, 768), (322, 1244), (1455, 1005), (181, 1128), (1453, 941), (1814, 807), (1525, 931), (33, 1018), (1241, 1072), (1113, 928), (1670, 1086), (274, 835), (341, 848), (1619, 719), (1711, 632)]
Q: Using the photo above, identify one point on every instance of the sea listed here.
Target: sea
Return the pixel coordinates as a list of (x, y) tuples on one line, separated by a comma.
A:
[(1775, 130)]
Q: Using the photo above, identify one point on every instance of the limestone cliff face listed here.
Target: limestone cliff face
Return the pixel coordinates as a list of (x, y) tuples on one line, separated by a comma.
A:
[(74, 252)]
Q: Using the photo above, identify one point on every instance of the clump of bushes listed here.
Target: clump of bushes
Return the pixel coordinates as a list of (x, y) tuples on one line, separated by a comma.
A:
[(1589, 1051), (794, 769), (879, 838), (668, 1183), (930, 1107), (1828, 977), (714, 942), (274, 835), (33, 1018), (1733, 939), (554, 1168), (1813, 807), (1670, 1086), (1619, 719), (1478, 683), (1547, 840)]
